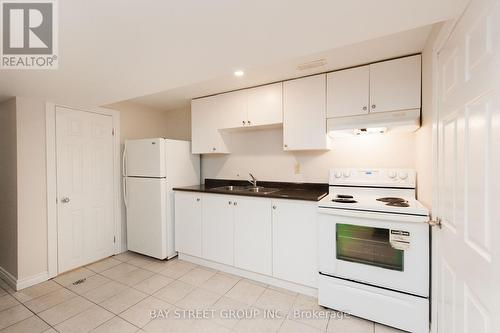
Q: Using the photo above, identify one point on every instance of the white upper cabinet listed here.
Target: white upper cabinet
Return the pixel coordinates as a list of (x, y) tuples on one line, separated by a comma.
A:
[(348, 92), (205, 135), (304, 113), (265, 105), (395, 84), (232, 109)]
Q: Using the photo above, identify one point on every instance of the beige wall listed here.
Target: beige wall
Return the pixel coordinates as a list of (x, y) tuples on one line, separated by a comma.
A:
[(139, 121), (261, 153), (31, 188), (8, 187), (423, 141)]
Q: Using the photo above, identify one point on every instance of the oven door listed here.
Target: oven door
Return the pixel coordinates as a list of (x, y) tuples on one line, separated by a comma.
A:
[(378, 249)]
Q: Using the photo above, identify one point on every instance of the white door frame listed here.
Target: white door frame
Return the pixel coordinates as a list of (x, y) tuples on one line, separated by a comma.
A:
[(50, 132), (442, 38)]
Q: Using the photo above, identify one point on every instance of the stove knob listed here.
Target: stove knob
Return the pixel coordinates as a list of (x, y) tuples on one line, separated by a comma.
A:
[(392, 174), (346, 174), (338, 174), (403, 175)]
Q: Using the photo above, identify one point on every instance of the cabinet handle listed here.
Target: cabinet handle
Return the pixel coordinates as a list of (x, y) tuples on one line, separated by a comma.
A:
[(286, 146), (230, 202), (214, 149), (274, 207), (249, 122), (365, 108), (374, 106), (235, 203), (197, 199), (244, 122)]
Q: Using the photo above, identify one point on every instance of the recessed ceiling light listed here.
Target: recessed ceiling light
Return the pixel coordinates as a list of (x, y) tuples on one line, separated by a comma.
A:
[(239, 73)]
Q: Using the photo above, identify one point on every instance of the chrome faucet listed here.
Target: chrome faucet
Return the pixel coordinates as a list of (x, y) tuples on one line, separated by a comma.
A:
[(253, 181)]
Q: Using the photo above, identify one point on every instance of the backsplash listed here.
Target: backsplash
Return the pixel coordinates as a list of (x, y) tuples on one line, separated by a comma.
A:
[(260, 152)]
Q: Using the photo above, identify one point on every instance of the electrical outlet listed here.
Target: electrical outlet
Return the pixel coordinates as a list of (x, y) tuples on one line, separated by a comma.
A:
[(297, 168)]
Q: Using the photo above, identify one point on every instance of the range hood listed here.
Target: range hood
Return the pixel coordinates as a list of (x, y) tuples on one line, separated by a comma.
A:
[(381, 122)]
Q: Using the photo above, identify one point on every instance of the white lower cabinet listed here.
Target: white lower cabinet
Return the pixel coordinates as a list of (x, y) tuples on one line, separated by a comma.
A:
[(295, 241), (188, 223), (253, 235), (218, 228), (262, 235)]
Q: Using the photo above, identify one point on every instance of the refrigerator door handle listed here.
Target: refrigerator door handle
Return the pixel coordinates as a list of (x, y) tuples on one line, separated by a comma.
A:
[(124, 187), (124, 158)]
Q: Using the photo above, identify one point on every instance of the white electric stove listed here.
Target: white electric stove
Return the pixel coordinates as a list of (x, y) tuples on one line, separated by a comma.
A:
[(374, 248)]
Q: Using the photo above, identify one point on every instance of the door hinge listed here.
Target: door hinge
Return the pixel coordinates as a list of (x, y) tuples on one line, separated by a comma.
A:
[(114, 239), (435, 222), (113, 131)]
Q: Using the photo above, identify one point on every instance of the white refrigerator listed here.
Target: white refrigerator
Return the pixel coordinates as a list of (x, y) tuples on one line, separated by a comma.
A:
[(151, 169)]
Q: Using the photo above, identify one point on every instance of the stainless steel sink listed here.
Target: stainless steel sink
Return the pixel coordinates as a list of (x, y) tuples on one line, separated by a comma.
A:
[(243, 189), (261, 189), (229, 188)]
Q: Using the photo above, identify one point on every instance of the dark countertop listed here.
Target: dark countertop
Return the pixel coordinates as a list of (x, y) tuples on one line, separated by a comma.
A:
[(296, 191)]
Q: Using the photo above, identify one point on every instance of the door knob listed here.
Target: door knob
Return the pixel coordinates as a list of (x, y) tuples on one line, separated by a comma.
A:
[(65, 200)]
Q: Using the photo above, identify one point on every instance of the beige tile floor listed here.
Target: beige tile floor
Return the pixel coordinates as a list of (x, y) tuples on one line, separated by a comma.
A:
[(118, 294)]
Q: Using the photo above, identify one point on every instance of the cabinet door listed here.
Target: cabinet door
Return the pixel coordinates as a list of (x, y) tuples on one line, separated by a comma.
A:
[(252, 235), (188, 223), (304, 113), (217, 228), (348, 92), (395, 84), (295, 255), (205, 136), (265, 105), (232, 109)]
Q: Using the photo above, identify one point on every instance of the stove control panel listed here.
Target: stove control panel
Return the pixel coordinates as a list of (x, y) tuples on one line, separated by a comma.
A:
[(400, 178)]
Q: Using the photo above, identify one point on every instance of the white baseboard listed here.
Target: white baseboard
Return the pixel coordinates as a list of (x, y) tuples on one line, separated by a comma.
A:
[(32, 280), (251, 275), (18, 284), (8, 278)]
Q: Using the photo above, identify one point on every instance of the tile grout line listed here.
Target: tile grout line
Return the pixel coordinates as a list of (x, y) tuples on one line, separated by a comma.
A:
[(97, 304)]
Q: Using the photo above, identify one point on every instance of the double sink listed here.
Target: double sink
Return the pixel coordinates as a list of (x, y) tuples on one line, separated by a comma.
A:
[(245, 189)]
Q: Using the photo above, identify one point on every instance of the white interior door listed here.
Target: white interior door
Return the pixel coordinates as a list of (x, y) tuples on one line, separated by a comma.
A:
[(468, 259), (85, 215)]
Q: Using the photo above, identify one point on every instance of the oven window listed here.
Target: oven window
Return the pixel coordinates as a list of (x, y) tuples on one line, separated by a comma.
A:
[(369, 246)]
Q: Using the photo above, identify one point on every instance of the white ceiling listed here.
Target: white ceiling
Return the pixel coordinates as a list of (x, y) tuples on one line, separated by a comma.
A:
[(116, 50), (403, 43)]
